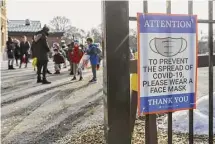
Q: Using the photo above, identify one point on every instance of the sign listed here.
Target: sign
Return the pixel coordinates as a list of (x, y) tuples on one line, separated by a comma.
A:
[(167, 62)]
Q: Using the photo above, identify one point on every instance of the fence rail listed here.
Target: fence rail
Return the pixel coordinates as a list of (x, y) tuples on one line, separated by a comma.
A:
[(203, 61)]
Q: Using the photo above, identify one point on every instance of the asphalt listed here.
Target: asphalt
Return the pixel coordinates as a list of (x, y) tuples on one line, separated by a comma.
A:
[(35, 113)]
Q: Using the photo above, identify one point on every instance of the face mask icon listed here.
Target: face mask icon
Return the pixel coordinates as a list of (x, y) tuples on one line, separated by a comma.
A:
[(168, 46)]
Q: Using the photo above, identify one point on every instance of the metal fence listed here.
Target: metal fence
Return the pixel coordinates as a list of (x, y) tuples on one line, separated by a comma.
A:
[(202, 63), (116, 81)]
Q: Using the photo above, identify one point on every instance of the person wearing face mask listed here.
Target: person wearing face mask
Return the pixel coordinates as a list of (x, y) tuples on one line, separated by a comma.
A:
[(10, 53), (33, 51), (70, 48), (24, 50), (41, 51), (17, 51), (63, 51), (58, 60), (92, 51), (76, 56)]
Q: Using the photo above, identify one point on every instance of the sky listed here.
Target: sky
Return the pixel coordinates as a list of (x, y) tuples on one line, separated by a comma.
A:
[(87, 14)]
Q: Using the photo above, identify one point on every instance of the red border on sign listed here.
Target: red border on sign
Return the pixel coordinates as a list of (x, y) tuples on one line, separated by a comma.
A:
[(138, 62), (138, 59)]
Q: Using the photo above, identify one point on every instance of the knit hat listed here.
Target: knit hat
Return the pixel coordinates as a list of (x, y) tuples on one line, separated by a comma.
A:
[(76, 42), (56, 45), (46, 28)]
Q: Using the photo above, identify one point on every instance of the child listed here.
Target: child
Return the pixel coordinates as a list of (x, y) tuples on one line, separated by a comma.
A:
[(58, 59), (75, 57), (63, 51)]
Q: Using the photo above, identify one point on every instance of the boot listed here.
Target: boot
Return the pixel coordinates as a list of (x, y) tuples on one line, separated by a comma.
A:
[(57, 72), (74, 78), (39, 80), (93, 80), (71, 73), (26, 66), (45, 81), (48, 72), (9, 67), (81, 78), (12, 67)]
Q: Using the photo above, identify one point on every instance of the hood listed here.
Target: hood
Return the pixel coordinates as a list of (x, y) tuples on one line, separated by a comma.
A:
[(37, 37), (76, 47)]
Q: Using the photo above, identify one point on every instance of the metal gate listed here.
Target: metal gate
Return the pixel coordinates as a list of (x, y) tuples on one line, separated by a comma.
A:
[(116, 42)]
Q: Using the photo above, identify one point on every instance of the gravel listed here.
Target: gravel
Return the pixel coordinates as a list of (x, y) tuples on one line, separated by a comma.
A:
[(95, 135)]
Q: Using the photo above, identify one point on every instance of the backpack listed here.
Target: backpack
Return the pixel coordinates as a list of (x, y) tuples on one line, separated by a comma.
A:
[(99, 52)]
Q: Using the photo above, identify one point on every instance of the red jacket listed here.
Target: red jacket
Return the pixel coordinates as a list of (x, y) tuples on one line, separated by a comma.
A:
[(76, 55)]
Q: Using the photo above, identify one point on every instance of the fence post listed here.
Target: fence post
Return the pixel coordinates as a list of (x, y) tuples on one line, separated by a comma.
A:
[(150, 122), (168, 11), (116, 79), (190, 11), (210, 49)]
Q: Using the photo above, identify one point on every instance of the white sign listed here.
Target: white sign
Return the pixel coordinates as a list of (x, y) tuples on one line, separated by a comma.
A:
[(167, 62)]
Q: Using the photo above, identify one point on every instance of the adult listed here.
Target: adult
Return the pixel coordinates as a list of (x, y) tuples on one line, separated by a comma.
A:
[(92, 52), (10, 53), (41, 50), (70, 48), (17, 50), (33, 47), (24, 50)]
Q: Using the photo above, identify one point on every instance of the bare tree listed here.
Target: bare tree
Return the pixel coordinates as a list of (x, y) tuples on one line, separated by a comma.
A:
[(60, 23), (96, 34), (74, 33)]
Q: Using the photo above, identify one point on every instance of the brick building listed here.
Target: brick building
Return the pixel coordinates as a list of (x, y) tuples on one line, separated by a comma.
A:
[(3, 23), (18, 28)]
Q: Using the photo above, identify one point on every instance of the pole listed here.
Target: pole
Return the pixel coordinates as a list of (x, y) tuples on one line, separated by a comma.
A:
[(190, 11), (116, 79), (150, 122), (210, 49)]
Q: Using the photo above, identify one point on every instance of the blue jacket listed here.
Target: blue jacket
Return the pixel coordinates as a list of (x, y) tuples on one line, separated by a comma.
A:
[(92, 51)]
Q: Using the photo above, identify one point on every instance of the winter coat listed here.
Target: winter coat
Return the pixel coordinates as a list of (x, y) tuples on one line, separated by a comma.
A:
[(10, 50), (70, 49), (58, 58), (62, 52), (76, 55), (92, 52), (17, 51), (33, 49), (41, 47), (24, 47), (66, 50)]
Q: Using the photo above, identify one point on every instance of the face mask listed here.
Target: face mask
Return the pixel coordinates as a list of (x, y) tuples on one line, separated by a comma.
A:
[(168, 46), (55, 52)]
